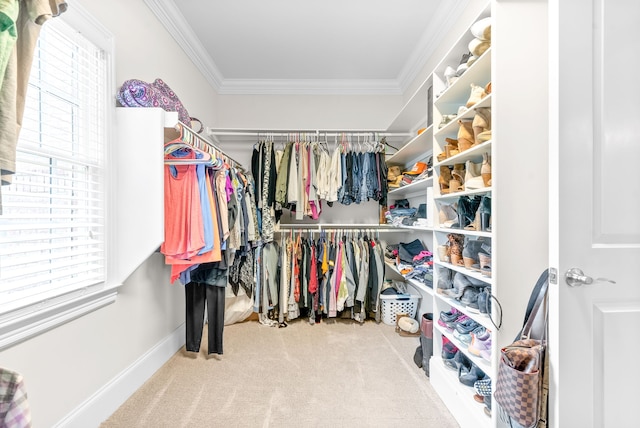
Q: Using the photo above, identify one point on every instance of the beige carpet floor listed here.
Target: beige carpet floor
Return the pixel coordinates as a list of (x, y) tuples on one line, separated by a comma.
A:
[(333, 374)]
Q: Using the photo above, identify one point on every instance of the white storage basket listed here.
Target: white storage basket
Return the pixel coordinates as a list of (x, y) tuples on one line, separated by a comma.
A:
[(397, 304)]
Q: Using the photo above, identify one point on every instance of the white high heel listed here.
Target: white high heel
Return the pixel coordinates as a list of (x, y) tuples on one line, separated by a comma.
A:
[(473, 178)]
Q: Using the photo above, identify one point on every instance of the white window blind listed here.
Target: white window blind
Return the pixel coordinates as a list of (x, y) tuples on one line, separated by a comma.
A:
[(52, 230)]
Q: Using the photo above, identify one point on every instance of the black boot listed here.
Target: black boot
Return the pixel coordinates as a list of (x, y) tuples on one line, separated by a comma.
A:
[(426, 340)]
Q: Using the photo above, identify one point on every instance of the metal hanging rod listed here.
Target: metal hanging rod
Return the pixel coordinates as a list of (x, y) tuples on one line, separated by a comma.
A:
[(329, 226), (317, 132), (181, 128)]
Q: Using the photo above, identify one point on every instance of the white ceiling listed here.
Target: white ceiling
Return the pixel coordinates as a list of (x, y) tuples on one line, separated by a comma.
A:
[(310, 46)]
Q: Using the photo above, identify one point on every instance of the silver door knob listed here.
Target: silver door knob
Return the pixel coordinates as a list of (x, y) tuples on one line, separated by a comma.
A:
[(575, 277)]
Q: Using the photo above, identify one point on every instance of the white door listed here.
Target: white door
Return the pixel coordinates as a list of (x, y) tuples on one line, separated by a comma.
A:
[(595, 212)]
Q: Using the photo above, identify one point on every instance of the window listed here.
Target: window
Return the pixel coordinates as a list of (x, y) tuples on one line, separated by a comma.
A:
[(53, 242)]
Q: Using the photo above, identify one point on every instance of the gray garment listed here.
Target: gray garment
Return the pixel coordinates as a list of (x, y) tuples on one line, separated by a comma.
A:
[(293, 310), (377, 252), (363, 277), (285, 271), (270, 261), (349, 275)]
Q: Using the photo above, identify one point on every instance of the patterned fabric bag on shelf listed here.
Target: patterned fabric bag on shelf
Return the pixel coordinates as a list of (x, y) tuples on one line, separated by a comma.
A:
[(138, 93)]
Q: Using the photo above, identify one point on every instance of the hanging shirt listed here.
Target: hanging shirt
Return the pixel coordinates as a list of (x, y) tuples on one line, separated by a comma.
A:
[(184, 231)]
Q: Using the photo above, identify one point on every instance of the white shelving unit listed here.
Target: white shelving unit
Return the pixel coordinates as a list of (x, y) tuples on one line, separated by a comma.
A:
[(513, 153)]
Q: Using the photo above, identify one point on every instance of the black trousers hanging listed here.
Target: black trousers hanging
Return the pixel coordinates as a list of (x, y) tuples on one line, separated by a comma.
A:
[(196, 295)]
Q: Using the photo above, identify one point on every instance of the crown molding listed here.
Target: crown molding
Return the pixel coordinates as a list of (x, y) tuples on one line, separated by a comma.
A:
[(310, 87), (442, 20), (177, 26)]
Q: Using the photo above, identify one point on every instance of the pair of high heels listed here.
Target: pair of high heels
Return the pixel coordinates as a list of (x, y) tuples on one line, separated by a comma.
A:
[(480, 220), (481, 125), (474, 132), (472, 249), (478, 175), (449, 149), (451, 181), (467, 209)]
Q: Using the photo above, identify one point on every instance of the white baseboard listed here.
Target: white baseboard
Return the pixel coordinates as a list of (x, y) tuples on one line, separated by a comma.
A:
[(97, 408)]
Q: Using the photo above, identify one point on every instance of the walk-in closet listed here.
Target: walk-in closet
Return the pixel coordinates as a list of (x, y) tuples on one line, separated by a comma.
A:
[(235, 213)]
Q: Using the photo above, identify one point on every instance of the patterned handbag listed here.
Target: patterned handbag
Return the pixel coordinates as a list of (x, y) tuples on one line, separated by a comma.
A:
[(519, 380), (522, 383)]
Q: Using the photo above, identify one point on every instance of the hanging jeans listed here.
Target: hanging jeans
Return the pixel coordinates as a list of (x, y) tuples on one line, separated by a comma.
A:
[(196, 295)]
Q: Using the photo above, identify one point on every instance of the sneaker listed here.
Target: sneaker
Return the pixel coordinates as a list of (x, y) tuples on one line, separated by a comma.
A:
[(466, 326), (479, 347), (449, 349), (464, 338), (461, 318)]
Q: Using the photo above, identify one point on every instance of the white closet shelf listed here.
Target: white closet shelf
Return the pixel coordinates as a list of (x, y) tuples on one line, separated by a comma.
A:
[(456, 195), (478, 361), (413, 150), (416, 186), (417, 284), (456, 396), (468, 272), (482, 319), (458, 93), (462, 231), (452, 126), (473, 154), (424, 228)]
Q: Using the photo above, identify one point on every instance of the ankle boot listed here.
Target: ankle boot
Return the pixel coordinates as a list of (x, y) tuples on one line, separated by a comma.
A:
[(445, 278), (482, 125), (444, 179), (456, 243), (485, 171), (467, 208), (465, 135), (477, 93), (485, 213), (456, 184), (470, 252), (473, 178), (447, 215)]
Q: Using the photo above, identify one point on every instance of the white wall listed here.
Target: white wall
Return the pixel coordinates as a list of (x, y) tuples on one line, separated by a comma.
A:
[(309, 112)]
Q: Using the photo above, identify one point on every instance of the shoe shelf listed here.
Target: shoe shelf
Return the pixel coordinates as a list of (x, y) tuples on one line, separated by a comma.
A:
[(414, 187), (473, 154), (468, 272), (413, 150), (457, 396), (457, 94), (483, 364), (456, 195), (423, 228), (482, 319), (451, 127), (415, 283), (469, 232)]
